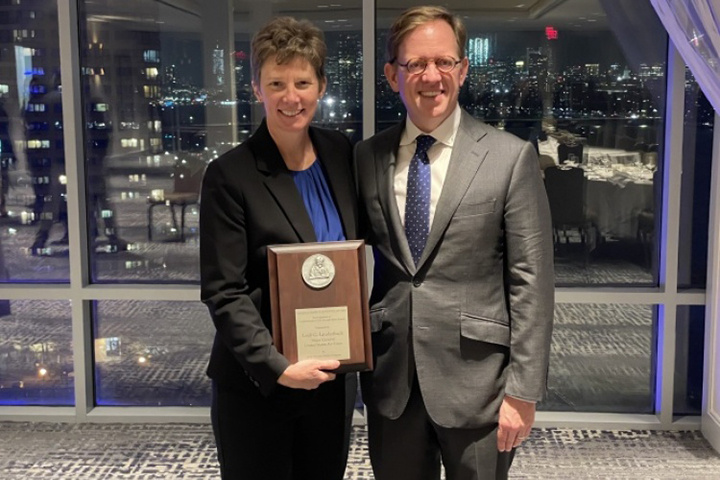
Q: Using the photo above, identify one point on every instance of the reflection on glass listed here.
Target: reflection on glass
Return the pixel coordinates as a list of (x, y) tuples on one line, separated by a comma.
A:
[(151, 353), (689, 360), (33, 204), (36, 357), (695, 189), (167, 88), (601, 359), (588, 92)]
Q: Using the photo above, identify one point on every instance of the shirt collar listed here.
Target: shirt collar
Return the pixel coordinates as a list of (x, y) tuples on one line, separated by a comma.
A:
[(445, 132)]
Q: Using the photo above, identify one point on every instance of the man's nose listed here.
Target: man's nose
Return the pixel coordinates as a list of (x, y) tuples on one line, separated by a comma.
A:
[(431, 73)]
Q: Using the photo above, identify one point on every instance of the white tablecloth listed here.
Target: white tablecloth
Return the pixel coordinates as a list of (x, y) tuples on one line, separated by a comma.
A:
[(615, 196), (619, 186), (610, 156), (593, 155)]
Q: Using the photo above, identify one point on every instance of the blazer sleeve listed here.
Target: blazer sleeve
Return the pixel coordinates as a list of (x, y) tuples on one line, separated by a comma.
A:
[(361, 154), (530, 281), (224, 286)]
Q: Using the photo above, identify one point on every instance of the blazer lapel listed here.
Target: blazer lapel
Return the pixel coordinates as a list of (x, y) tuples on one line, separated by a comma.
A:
[(385, 162), (280, 183), (467, 156), (338, 175)]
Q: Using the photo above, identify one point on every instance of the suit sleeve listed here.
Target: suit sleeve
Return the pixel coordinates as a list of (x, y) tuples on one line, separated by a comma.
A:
[(529, 279), (224, 286)]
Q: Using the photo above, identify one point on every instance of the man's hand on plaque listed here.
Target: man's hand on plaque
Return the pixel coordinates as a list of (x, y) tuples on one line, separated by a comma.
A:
[(308, 374)]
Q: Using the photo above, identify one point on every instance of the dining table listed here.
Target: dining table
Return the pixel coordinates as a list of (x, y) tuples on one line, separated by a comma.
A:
[(619, 186)]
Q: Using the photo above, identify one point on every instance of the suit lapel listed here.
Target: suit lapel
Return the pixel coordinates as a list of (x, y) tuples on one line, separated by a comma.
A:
[(385, 162), (468, 154), (337, 170), (280, 183)]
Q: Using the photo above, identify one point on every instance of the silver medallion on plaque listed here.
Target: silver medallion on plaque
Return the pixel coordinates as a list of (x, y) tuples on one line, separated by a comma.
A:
[(318, 271)]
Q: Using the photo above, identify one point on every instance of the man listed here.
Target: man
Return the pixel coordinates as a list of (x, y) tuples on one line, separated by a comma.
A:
[(462, 302)]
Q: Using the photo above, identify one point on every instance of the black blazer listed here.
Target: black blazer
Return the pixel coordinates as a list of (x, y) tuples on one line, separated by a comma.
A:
[(249, 201)]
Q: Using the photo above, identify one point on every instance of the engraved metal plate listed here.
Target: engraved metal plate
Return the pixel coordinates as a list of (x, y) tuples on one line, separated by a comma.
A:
[(318, 271)]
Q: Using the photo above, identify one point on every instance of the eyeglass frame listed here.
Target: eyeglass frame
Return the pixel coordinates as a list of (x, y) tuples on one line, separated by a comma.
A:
[(427, 62)]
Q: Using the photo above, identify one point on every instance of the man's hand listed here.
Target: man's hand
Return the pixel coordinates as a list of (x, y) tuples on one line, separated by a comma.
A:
[(308, 374), (515, 421)]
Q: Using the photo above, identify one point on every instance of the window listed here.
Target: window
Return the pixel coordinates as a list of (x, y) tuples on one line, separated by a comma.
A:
[(601, 359), (588, 97), (151, 101), (151, 56), (36, 362), (151, 353), (169, 98), (699, 126), (32, 198), (151, 73)]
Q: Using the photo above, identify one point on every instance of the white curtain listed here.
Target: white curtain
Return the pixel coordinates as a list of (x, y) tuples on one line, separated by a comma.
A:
[(694, 27)]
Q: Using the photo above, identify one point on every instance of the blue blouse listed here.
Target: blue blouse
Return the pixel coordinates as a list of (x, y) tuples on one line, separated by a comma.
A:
[(319, 203)]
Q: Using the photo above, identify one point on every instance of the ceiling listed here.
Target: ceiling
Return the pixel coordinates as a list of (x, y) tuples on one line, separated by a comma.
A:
[(187, 15)]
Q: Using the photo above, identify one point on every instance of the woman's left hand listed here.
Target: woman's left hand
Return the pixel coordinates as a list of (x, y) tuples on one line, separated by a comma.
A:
[(308, 374)]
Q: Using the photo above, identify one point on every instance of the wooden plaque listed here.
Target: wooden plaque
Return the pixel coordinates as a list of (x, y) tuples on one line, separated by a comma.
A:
[(319, 303)]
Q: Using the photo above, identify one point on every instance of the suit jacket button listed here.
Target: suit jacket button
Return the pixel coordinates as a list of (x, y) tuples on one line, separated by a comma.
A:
[(417, 283)]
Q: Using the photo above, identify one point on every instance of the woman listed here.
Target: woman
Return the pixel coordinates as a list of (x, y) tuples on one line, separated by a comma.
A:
[(288, 183)]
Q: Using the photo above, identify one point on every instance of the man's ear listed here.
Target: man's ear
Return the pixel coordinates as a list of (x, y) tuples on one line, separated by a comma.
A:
[(464, 66), (391, 73), (256, 91)]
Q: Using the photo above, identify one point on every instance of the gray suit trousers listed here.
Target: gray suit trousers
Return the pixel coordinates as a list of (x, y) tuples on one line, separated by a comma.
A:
[(412, 447)]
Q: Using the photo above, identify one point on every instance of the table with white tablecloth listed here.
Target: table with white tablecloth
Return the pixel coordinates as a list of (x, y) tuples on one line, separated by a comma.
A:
[(592, 155), (610, 156), (615, 195)]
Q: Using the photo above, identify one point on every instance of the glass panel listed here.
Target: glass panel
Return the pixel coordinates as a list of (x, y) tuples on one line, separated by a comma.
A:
[(167, 89), (33, 208), (152, 353), (689, 360), (36, 355), (601, 359), (695, 190), (584, 82)]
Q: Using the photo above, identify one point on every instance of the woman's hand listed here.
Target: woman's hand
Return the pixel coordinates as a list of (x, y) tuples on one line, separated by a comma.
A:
[(308, 374)]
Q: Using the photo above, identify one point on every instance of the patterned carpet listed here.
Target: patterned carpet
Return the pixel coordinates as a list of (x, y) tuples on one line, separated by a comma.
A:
[(50, 451)]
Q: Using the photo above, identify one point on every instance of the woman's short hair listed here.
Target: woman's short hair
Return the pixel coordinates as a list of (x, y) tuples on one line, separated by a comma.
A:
[(413, 17), (286, 38)]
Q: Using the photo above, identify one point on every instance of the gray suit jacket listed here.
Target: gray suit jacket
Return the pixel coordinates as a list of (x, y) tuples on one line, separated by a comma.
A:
[(474, 319)]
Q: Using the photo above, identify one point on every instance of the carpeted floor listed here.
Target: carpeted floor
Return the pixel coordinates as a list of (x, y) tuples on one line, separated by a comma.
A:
[(51, 451)]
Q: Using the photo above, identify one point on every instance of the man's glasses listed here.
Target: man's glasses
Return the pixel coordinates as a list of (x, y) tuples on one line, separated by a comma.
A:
[(416, 66)]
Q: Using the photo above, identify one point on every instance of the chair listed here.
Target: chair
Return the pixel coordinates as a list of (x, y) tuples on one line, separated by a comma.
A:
[(187, 178), (625, 143), (650, 159), (646, 234), (646, 222), (565, 188), (570, 152)]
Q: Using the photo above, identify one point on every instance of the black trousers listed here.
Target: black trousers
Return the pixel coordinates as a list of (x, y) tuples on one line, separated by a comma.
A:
[(290, 435), (412, 447)]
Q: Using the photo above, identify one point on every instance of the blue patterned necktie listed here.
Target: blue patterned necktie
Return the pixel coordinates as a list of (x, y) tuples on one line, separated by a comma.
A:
[(417, 204)]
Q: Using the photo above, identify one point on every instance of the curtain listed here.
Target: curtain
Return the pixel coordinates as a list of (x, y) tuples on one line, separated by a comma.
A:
[(694, 27)]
